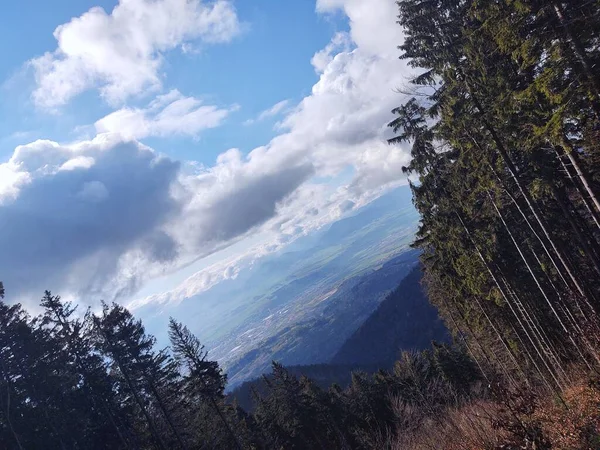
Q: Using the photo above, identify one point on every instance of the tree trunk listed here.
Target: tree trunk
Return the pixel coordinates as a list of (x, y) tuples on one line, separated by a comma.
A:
[(163, 408), (579, 51), (582, 240), (455, 324), (523, 190), (505, 297), (191, 357), (7, 412), (566, 330), (583, 179), (527, 265), (589, 203), (84, 372)]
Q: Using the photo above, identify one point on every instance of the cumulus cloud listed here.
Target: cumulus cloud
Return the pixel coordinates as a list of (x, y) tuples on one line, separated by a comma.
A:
[(70, 228), (341, 124), (10, 182), (340, 42), (121, 53), (168, 114), (273, 111), (240, 198), (373, 26)]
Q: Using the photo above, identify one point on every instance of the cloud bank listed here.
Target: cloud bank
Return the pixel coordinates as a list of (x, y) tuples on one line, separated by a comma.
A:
[(80, 213)]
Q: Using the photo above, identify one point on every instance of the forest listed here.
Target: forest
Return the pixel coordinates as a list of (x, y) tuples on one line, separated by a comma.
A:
[(98, 381), (503, 126)]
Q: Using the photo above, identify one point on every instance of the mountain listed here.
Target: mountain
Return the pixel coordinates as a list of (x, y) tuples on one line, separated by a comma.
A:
[(405, 320), (312, 330)]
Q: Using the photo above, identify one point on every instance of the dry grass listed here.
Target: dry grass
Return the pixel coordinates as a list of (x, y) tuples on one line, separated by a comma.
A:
[(466, 428), (576, 426), (485, 424)]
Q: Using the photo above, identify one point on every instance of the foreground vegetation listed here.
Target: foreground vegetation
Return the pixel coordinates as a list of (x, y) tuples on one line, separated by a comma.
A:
[(504, 129), (97, 381)]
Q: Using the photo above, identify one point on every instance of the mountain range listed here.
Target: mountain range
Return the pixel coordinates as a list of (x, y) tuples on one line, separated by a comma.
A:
[(403, 321), (300, 304)]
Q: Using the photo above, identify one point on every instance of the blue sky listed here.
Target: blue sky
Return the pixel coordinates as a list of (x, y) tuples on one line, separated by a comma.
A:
[(151, 149), (287, 34)]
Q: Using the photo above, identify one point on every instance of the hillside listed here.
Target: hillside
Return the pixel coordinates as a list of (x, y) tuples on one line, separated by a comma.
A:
[(405, 320), (333, 317), (232, 317)]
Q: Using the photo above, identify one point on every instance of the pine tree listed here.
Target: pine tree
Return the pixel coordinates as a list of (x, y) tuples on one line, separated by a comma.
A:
[(204, 379), (110, 421), (149, 376)]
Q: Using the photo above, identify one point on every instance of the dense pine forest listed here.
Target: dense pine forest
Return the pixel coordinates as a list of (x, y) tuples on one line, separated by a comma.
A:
[(505, 135), (503, 125), (504, 130)]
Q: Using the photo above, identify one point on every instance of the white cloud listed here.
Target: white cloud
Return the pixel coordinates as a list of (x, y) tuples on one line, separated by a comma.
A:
[(11, 181), (235, 196), (341, 124), (98, 218), (201, 281), (169, 114), (273, 111), (373, 26), (121, 53), (79, 162), (340, 42)]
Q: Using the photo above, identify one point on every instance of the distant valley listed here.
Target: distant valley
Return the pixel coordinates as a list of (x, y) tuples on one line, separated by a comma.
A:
[(312, 328), (403, 321)]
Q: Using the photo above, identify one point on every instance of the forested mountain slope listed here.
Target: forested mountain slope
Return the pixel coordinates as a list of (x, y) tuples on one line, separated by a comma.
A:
[(334, 317), (405, 320), (504, 132), (286, 303)]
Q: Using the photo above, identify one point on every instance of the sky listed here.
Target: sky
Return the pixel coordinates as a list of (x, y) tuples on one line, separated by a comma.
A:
[(150, 149)]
